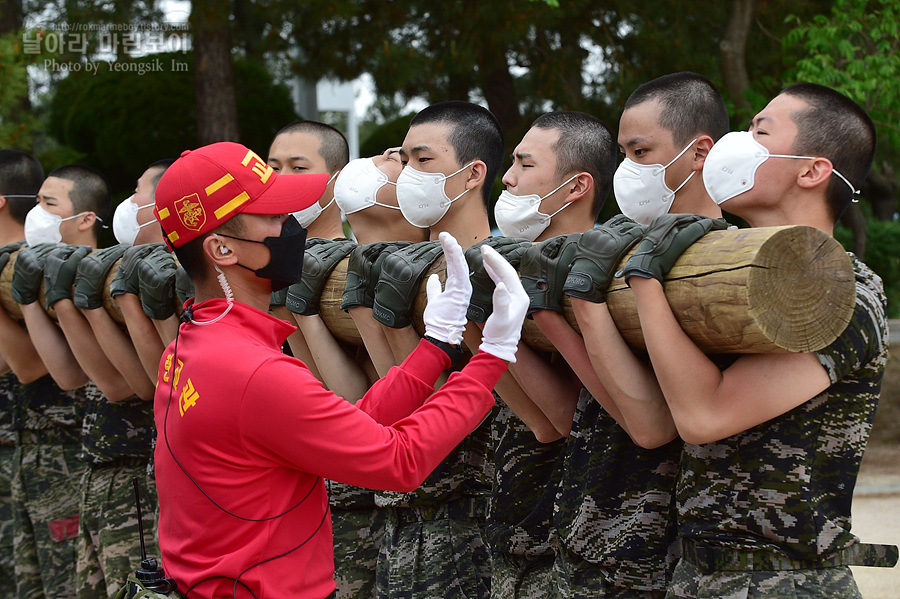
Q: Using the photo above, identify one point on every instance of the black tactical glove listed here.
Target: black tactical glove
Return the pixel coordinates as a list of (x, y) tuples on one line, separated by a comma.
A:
[(363, 269), (481, 303), (598, 255), (126, 279), (279, 298), (156, 281), (399, 281), (664, 240), (543, 270), (60, 268), (318, 262), (29, 273), (184, 286), (90, 282), (7, 250)]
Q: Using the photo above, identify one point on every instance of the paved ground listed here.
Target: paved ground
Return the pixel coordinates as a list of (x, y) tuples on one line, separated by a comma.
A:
[(876, 518)]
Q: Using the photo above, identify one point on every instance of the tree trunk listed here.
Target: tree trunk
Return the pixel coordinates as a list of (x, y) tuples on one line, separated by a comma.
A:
[(733, 54), (500, 91), (214, 92)]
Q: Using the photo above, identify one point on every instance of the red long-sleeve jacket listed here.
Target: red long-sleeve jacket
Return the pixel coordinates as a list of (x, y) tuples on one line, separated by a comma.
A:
[(257, 433)]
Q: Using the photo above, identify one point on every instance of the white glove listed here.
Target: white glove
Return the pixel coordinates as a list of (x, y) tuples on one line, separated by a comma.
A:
[(445, 314), (503, 328)]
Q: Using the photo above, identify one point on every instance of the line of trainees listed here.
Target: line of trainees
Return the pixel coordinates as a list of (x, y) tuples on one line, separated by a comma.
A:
[(440, 456)]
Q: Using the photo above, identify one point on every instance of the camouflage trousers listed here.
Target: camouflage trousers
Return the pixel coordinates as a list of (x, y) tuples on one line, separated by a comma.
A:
[(690, 582), (109, 546), (441, 558), (357, 538), (520, 577), (7, 561), (45, 504), (580, 579)]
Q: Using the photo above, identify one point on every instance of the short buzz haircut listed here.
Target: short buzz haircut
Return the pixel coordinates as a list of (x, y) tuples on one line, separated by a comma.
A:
[(161, 167), (586, 144), (837, 128), (21, 174), (333, 147), (90, 191), (474, 134), (690, 106)]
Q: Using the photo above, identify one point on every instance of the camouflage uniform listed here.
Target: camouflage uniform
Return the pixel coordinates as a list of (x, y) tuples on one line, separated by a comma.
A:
[(766, 512), (434, 542), (358, 527), (520, 519), (7, 459), (45, 488), (115, 439), (614, 513)]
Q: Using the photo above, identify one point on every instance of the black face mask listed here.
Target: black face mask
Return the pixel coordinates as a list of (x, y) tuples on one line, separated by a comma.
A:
[(285, 265)]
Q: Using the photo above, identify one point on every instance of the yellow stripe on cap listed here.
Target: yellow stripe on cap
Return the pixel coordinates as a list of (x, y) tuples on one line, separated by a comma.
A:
[(174, 236), (164, 213), (217, 185), (232, 205)]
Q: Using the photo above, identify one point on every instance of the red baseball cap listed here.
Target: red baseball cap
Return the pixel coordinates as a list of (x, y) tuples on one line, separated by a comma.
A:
[(208, 186)]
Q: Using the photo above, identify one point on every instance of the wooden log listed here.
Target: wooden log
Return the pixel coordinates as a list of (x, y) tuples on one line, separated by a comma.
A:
[(763, 290)]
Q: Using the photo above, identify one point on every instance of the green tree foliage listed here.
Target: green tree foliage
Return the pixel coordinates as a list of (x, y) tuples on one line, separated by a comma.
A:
[(143, 118), (16, 126), (882, 256), (854, 49)]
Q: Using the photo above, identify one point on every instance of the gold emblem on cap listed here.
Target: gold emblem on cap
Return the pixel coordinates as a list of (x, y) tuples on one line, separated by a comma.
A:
[(191, 212)]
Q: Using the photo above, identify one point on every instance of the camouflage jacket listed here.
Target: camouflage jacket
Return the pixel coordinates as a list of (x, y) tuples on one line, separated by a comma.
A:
[(786, 485), (615, 507), (8, 383), (114, 430), (42, 405), (525, 482), (466, 473)]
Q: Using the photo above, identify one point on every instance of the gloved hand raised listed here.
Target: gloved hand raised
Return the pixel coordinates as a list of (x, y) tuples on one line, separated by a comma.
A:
[(363, 270), (60, 268), (503, 327), (318, 263), (90, 281), (543, 270), (156, 279), (664, 240), (398, 283), (597, 256), (445, 315), (510, 248), (126, 279), (7, 250), (29, 273)]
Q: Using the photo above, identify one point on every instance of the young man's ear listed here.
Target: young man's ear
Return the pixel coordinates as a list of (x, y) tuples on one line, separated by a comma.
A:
[(579, 187), (478, 174), (86, 221), (816, 172), (217, 250), (702, 147)]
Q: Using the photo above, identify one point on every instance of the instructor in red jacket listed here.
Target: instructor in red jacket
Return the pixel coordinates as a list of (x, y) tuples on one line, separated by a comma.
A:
[(246, 434)]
